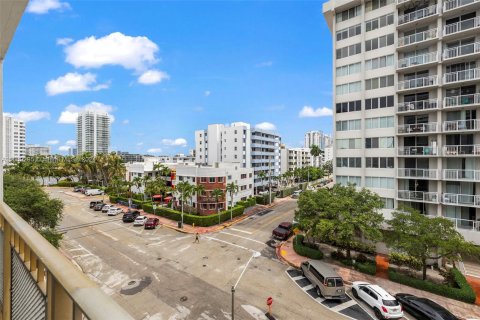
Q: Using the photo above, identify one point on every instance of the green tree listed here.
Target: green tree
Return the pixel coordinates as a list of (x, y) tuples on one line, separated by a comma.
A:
[(27, 199), (426, 238), (328, 167), (262, 175), (217, 194), (199, 189), (232, 189), (183, 189)]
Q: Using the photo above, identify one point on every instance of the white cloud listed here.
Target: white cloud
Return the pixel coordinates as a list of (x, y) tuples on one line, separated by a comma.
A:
[(126, 121), (154, 150), (133, 53), (28, 116), (179, 142), (309, 112), (140, 144), (207, 93), (43, 6), (70, 114), (74, 82), (264, 64), (64, 41), (71, 143), (265, 126), (53, 142), (152, 77), (64, 148)]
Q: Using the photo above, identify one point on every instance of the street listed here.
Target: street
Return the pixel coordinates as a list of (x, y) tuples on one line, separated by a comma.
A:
[(162, 274)]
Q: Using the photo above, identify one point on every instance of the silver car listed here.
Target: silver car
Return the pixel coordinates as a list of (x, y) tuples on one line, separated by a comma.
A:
[(324, 279)]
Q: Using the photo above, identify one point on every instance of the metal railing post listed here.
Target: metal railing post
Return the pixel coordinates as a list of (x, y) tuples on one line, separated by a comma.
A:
[(7, 273)]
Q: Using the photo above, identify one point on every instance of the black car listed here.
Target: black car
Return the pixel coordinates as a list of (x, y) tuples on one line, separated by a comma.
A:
[(94, 203), (130, 216), (99, 206), (423, 309)]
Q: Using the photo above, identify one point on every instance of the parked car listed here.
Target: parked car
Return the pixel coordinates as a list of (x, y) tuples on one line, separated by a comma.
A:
[(383, 303), (130, 216), (99, 206), (94, 203), (283, 231), (151, 223), (296, 194), (423, 308), (77, 188), (113, 211), (106, 208), (93, 192), (140, 221), (324, 279)]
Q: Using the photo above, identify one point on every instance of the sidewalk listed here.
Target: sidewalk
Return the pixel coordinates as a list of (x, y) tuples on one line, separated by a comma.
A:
[(463, 310)]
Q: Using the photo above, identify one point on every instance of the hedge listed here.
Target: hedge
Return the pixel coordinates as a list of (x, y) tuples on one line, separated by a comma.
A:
[(464, 292), (369, 267), (361, 264), (250, 202), (401, 259), (264, 199), (201, 221), (305, 251), (286, 192), (66, 183)]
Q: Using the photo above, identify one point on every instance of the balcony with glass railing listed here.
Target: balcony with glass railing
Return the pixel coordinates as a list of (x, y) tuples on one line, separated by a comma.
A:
[(461, 26), (417, 128), (422, 105), (417, 83), (417, 173), (461, 76), (418, 196), (450, 5), (461, 150), (417, 151), (461, 175), (418, 37), (467, 200), (461, 51), (466, 100), (419, 60), (418, 15), (461, 125)]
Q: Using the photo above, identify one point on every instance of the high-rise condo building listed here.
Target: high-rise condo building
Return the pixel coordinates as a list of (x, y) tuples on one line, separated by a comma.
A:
[(13, 139), (406, 96), (93, 132), (317, 138)]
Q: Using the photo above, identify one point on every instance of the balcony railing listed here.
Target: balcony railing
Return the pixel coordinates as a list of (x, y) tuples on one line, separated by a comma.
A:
[(418, 60), (206, 199), (417, 173), (417, 15), (453, 4), (417, 105), (418, 196), (461, 175), (418, 128), (417, 37), (461, 125), (461, 26), (42, 283), (417, 151), (417, 83), (459, 51), (464, 75), (464, 224), (463, 100), (461, 150), (461, 199)]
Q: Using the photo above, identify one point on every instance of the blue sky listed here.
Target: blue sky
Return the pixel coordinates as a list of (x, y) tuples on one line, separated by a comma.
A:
[(164, 69)]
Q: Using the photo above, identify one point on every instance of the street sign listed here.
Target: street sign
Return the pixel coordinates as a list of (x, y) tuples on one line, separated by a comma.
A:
[(269, 301), (154, 206)]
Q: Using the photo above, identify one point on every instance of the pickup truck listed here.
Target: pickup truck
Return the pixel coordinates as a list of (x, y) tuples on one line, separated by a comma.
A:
[(283, 231)]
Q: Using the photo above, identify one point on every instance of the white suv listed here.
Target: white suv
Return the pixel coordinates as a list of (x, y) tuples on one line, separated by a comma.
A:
[(383, 303)]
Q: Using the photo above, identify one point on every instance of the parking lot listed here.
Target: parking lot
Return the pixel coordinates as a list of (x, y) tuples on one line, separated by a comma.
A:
[(162, 274)]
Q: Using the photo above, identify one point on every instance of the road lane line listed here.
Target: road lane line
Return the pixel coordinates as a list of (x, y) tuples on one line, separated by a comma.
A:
[(343, 306), (129, 259), (232, 244), (107, 235), (247, 232), (129, 229), (236, 235)]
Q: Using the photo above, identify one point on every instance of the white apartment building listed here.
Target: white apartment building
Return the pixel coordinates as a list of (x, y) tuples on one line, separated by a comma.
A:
[(328, 155), (37, 150), (317, 138), (179, 158), (297, 158), (239, 143), (406, 91), (13, 139), (93, 132)]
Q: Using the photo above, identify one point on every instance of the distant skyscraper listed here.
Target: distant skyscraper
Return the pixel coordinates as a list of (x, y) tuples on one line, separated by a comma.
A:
[(13, 139), (37, 150), (93, 132), (317, 138)]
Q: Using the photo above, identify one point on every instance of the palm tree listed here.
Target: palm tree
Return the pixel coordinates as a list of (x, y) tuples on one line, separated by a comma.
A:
[(217, 193), (262, 175), (183, 189), (232, 189), (315, 151), (138, 183), (199, 189)]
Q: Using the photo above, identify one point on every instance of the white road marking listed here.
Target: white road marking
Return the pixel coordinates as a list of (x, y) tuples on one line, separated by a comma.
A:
[(256, 313), (129, 229), (236, 235), (345, 305), (129, 259), (156, 276), (319, 299), (107, 235), (297, 278), (310, 286), (157, 243), (184, 248), (81, 255), (247, 232), (232, 244)]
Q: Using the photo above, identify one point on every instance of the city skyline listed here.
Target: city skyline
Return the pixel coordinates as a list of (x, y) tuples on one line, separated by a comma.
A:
[(162, 72)]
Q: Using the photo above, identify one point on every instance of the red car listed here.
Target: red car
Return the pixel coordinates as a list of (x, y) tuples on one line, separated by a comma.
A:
[(151, 223), (283, 231)]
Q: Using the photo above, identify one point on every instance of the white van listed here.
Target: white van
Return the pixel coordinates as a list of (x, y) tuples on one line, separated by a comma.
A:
[(93, 192)]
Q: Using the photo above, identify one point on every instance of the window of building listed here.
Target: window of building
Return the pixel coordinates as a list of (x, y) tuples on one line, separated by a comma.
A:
[(379, 102), (380, 82), (388, 203), (348, 14), (381, 142), (379, 162), (380, 42), (348, 51), (350, 106), (377, 4), (380, 62), (212, 206), (379, 122), (203, 179), (379, 182), (349, 162), (379, 22), (349, 69), (243, 176), (220, 179), (349, 32), (353, 143), (348, 88), (348, 125), (211, 179), (345, 180)]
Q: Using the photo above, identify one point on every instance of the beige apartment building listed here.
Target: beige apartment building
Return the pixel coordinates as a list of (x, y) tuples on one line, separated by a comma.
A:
[(405, 102)]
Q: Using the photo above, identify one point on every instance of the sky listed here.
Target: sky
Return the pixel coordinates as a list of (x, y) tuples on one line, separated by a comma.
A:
[(164, 69)]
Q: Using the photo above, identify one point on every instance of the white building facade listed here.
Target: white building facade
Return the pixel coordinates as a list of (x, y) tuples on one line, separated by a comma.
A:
[(317, 138), (14, 146), (37, 150), (93, 132), (297, 158), (406, 91)]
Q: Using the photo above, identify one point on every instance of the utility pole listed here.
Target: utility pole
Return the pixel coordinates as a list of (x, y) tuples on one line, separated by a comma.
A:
[(270, 181), (255, 254), (233, 302)]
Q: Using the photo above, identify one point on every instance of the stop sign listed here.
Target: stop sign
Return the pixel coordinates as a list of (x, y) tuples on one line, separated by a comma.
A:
[(269, 301)]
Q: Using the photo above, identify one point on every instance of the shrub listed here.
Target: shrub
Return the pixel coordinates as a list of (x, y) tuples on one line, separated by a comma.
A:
[(401, 259), (361, 258), (338, 255), (286, 192), (368, 267), (305, 251), (264, 199), (464, 292), (66, 183)]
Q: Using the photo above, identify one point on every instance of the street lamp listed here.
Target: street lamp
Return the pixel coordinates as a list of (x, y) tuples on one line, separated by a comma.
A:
[(255, 254)]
